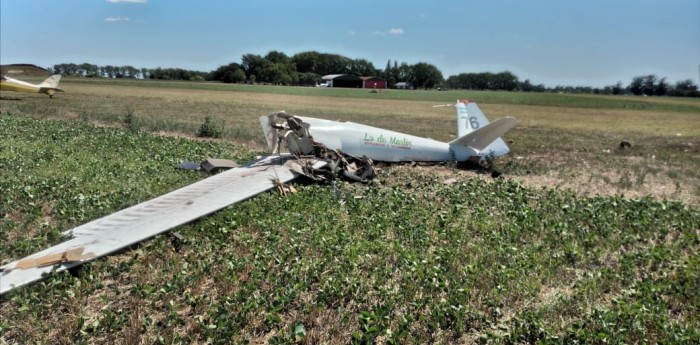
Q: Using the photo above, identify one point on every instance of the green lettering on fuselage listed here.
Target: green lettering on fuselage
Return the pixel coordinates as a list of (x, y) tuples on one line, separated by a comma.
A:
[(381, 140), (400, 142)]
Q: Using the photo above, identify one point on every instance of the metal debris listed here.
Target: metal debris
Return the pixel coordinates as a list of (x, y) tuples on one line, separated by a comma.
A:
[(212, 165), (295, 133), (217, 164), (189, 165)]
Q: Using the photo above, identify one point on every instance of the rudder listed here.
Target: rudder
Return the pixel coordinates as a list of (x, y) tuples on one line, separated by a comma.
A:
[(469, 117), (51, 82)]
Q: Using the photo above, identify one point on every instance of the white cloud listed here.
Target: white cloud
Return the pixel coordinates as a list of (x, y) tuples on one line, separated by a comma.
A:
[(132, 1), (117, 19), (392, 31), (351, 33)]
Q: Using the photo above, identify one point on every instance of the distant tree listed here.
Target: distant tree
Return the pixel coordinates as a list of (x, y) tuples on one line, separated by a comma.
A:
[(388, 74), (305, 62), (227, 73), (424, 75), (505, 81), (648, 84), (306, 68), (130, 72), (637, 86), (308, 79), (274, 68), (253, 65), (239, 76), (685, 88), (332, 64), (89, 70), (69, 69), (109, 71), (279, 73), (57, 68), (175, 74), (362, 67), (228, 77), (277, 57), (403, 72), (617, 89), (661, 87)]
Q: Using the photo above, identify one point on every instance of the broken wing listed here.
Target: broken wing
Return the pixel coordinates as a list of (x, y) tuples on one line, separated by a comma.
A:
[(137, 223)]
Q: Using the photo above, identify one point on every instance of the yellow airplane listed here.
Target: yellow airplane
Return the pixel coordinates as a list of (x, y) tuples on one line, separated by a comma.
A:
[(48, 86)]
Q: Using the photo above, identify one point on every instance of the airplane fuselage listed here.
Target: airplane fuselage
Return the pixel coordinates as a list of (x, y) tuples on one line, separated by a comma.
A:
[(10, 84), (49, 86), (478, 139), (383, 145)]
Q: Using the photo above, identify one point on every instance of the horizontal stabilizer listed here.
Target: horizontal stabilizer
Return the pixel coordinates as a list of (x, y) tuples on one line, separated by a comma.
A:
[(484, 136), (49, 90)]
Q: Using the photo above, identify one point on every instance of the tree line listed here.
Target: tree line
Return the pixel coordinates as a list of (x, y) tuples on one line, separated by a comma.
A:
[(307, 69)]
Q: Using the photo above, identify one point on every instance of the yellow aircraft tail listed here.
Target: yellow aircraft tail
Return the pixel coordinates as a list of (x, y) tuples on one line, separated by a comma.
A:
[(50, 85), (51, 82)]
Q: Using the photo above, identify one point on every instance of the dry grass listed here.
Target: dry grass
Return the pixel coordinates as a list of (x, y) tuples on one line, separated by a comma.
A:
[(574, 147)]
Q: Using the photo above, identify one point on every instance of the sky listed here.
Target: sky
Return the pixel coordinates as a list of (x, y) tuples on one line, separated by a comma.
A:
[(553, 42)]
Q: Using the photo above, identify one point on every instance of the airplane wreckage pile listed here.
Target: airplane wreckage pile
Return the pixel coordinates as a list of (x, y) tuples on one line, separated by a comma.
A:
[(319, 149)]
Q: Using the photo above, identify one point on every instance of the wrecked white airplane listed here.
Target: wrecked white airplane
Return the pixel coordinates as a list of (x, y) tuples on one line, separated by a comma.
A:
[(319, 149)]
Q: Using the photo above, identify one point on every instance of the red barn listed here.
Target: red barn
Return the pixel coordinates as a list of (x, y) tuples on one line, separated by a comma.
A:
[(373, 83)]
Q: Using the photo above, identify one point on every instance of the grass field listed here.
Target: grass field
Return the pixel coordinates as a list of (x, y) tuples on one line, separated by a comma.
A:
[(580, 242)]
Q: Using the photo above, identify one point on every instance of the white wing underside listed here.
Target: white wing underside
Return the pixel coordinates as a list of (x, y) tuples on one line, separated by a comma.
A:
[(137, 223)]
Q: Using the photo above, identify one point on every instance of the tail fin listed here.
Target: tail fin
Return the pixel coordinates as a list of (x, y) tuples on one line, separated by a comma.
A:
[(475, 131), (469, 117), (51, 82), (50, 85)]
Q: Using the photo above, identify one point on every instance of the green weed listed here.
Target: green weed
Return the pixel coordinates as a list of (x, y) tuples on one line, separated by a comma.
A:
[(210, 128)]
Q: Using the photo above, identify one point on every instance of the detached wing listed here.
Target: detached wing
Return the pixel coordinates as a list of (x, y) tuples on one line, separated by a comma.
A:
[(137, 223)]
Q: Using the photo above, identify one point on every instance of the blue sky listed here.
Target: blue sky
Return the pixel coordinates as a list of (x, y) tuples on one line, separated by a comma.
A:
[(555, 42)]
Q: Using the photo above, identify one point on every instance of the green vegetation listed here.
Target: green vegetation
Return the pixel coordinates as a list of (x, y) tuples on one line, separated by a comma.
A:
[(407, 259), (57, 175), (210, 128)]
